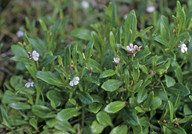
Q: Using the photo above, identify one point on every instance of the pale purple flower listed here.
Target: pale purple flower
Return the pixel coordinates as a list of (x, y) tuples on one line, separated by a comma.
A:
[(74, 82), (150, 9), (125, 16), (131, 48), (183, 48), (116, 60), (85, 4), (19, 33), (29, 84)]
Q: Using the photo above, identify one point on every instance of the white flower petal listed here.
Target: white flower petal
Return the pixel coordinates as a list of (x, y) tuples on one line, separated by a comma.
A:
[(32, 84), (183, 48), (131, 45), (76, 78), (27, 84), (135, 47), (150, 9), (128, 48), (19, 33), (85, 4), (35, 55), (116, 60), (71, 83), (75, 82)]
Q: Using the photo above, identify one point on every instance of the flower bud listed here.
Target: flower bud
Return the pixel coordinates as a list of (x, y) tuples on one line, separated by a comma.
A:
[(151, 72), (91, 69), (50, 33), (72, 66), (24, 44)]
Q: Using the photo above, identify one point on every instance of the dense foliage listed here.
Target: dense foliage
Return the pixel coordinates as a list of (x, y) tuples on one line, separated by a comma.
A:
[(110, 79)]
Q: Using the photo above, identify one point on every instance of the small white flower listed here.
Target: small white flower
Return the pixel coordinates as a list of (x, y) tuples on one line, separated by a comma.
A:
[(131, 48), (74, 82), (19, 33), (29, 84), (183, 48), (85, 4), (150, 9), (35, 55), (116, 60)]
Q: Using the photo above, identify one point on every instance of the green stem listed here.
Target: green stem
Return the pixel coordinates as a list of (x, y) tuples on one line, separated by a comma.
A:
[(83, 117), (37, 95)]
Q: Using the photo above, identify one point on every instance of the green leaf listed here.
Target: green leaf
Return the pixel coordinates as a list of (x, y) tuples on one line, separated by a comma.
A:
[(16, 120), (93, 79), (143, 69), (49, 78), (95, 107), (164, 28), (142, 54), (81, 33), (67, 114), (126, 77), (119, 130), (43, 25), (89, 50), (130, 28), (94, 65), (135, 75), (130, 117), (85, 98), (112, 41), (187, 110), (67, 57), (161, 40), (51, 123), (169, 81), (15, 80), (190, 96), (46, 61), (33, 123), (38, 45), (150, 97), (107, 73), (139, 109), (179, 89), (140, 34), (142, 95), (64, 126), (42, 111), (19, 105), (55, 97), (96, 41), (104, 119), (10, 97), (178, 130), (96, 127), (156, 103), (178, 74), (184, 36), (32, 70), (20, 54), (115, 106), (5, 117), (154, 61), (171, 110), (111, 85)]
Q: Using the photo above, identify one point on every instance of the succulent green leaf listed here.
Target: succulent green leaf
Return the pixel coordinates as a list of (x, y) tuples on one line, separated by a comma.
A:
[(115, 106)]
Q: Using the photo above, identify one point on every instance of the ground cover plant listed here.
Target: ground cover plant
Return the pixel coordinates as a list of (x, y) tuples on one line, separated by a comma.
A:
[(110, 78)]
